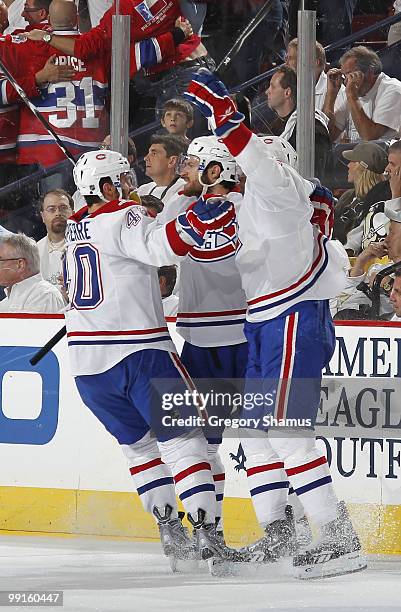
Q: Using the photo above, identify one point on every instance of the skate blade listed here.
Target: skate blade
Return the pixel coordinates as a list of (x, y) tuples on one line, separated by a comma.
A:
[(184, 566), (346, 564)]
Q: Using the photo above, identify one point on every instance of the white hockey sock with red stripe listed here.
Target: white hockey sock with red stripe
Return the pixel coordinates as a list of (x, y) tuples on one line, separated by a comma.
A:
[(267, 480), (308, 472), (153, 478), (219, 478), (187, 458)]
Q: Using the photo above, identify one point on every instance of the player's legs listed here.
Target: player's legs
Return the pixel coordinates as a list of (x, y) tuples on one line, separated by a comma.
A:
[(218, 367), (104, 395)]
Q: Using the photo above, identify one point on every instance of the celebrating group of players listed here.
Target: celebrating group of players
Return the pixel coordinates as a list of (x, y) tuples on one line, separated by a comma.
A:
[(246, 310)]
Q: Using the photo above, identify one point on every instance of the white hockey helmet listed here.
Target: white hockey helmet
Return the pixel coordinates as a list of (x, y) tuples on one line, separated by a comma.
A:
[(280, 149), (95, 165), (212, 149)]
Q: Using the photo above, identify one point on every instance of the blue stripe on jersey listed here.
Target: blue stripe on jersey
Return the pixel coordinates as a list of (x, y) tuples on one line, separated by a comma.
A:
[(293, 296), (103, 342), (219, 497), (160, 482), (198, 489), (313, 485), (147, 53), (49, 100), (211, 323), (67, 143), (269, 487)]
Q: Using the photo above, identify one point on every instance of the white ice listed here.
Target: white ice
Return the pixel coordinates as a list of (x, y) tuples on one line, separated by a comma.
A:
[(119, 575)]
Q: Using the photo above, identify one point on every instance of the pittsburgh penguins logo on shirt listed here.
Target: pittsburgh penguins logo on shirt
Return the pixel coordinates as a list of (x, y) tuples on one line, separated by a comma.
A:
[(375, 226), (217, 245)]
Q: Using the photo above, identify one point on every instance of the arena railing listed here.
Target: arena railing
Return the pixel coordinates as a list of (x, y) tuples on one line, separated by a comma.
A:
[(149, 128)]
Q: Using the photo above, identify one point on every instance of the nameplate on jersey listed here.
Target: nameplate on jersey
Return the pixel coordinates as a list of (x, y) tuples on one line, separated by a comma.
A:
[(77, 231), (69, 60)]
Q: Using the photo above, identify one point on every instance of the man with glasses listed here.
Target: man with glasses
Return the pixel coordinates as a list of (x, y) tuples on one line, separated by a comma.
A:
[(36, 13), (54, 208), (26, 291)]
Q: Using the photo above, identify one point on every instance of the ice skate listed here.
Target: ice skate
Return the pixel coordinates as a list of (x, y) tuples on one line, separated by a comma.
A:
[(279, 541), (337, 552), (211, 545), (174, 537), (303, 533)]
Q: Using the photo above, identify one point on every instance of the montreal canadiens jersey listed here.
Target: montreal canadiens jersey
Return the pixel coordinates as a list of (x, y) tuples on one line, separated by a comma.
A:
[(282, 257), (149, 18), (75, 109), (115, 307), (212, 304)]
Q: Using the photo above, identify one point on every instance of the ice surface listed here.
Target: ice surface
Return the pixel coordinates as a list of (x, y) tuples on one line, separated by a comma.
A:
[(119, 575)]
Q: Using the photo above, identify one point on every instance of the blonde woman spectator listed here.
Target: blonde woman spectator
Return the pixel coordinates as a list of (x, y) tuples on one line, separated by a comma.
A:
[(26, 291), (367, 162)]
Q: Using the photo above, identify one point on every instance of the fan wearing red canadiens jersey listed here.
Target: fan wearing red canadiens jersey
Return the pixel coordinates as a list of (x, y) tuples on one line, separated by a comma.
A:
[(124, 362), (75, 108), (212, 304), (291, 339)]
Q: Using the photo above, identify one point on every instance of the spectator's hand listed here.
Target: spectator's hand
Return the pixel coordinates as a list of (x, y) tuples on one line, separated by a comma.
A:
[(394, 176), (52, 73), (353, 82), (185, 26), (36, 35), (334, 80), (376, 250)]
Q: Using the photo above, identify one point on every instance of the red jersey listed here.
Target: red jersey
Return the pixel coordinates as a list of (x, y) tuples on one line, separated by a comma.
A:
[(149, 18)]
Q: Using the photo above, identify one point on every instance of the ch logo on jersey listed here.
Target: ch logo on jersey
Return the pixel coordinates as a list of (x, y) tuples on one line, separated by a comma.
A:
[(217, 246), (149, 9)]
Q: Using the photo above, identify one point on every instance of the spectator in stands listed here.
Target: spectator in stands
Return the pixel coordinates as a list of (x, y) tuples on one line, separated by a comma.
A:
[(20, 275), (55, 208), (161, 166), (167, 279), (3, 16), (282, 97), (36, 13), (367, 162), (372, 110), (177, 117), (320, 74), (366, 264), (394, 33), (395, 296)]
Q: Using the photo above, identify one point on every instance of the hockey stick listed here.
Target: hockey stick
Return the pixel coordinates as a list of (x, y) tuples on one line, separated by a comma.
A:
[(48, 346), (252, 25), (35, 111)]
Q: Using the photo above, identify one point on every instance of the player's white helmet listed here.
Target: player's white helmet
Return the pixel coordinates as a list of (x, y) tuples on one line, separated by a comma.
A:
[(281, 150), (212, 149), (95, 165)]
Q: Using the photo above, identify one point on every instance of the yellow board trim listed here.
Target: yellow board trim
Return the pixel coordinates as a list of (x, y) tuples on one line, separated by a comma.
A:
[(114, 514)]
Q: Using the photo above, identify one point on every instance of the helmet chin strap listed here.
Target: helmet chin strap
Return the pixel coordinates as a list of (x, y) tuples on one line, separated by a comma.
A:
[(205, 186)]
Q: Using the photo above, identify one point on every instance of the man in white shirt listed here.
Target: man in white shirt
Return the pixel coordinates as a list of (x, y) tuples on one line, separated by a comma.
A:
[(161, 166), (372, 109), (320, 75), (19, 274), (54, 208)]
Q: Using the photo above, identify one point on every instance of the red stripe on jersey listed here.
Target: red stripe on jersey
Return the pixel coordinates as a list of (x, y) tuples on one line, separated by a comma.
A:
[(146, 466), (306, 466), (219, 477), (179, 246), (130, 332), (264, 468), (269, 296), (237, 140), (288, 362), (198, 467)]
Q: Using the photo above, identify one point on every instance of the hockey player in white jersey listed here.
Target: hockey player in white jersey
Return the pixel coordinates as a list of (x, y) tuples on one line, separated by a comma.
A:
[(121, 354), (289, 269), (212, 304)]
